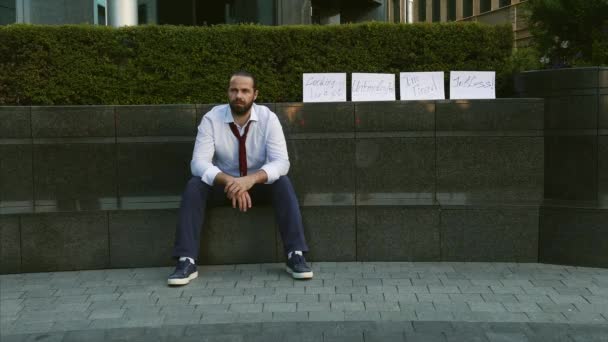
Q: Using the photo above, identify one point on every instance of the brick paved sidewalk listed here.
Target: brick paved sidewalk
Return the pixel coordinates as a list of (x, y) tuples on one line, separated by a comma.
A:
[(357, 300)]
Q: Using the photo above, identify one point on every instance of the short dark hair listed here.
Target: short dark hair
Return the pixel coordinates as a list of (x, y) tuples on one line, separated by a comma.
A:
[(246, 74)]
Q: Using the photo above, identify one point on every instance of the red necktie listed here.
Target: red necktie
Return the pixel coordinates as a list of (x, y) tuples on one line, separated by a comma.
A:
[(242, 148)]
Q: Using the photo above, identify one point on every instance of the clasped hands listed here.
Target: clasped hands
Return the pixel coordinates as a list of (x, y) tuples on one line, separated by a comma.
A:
[(237, 190)]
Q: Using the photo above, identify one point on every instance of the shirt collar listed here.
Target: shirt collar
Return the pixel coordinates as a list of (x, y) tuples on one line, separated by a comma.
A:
[(228, 114)]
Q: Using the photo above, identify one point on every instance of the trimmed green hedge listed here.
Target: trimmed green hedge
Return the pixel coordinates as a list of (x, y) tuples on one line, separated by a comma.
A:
[(82, 64)]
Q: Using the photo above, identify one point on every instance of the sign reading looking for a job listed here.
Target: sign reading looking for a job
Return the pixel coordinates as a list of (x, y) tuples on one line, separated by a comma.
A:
[(472, 85), (373, 87), (421, 86), (329, 87)]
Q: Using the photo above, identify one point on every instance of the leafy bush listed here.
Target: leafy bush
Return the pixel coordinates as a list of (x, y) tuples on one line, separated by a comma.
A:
[(81, 64), (570, 32)]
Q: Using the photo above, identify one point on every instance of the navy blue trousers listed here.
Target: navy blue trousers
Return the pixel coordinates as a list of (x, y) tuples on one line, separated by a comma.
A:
[(198, 195)]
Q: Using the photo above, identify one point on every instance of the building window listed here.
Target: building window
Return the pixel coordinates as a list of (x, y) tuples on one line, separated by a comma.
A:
[(451, 10), (101, 15), (503, 3), (422, 10), (396, 11), (467, 8), (142, 14), (436, 10), (485, 6)]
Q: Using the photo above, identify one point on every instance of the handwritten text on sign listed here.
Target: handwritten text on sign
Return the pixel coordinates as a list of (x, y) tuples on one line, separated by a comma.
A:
[(373, 87), (472, 85), (324, 87), (421, 86)]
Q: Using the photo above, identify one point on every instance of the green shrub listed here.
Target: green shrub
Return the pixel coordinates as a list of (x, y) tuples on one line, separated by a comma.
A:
[(79, 64), (569, 32)]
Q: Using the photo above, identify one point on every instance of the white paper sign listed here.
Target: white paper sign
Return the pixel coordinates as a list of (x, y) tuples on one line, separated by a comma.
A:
[(373, 87), (472, 85), (324, 87), (421, 86)]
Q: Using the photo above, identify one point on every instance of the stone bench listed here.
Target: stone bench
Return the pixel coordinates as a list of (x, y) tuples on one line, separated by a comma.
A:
[(89, 187)]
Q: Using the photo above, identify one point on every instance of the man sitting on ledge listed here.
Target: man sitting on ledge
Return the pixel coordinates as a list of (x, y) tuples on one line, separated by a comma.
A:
[(240, 154)]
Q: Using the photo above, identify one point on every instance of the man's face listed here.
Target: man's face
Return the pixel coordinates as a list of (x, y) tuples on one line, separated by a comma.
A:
[(241, 94)]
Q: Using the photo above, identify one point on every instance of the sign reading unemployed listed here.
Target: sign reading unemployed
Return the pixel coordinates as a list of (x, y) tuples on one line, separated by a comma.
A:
[(421, 86), (373, 87), (472, 85), (329, 87)]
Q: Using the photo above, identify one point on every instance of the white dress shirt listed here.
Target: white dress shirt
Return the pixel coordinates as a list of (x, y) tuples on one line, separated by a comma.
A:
[(217, 149)]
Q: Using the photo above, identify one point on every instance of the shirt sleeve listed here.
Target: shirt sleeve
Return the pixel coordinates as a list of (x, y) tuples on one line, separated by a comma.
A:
[(277, 160), (202, 156)]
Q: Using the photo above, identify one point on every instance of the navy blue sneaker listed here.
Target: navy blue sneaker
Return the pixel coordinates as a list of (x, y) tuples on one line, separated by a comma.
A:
[(296, 266), (184, 272)]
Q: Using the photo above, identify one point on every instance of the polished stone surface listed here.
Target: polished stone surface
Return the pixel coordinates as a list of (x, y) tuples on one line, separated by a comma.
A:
[(231, 237), (489, 170), (571, 112), (201, 110), (165, 120), (323, 171), (490, 115), (73, 121), (571, 168), (398, 233), (490, 235), (395, 116), (65, 241), (396, 168), (82, 172), (142, 238), (602, 185), (10, 244), (574, 236), (16, 180), (330, 233), (315, 117), (152, 172), (536, 83), (15, 122)]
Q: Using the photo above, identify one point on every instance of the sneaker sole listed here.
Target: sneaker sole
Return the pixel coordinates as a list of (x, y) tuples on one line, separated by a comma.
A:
[(303, 275), (184, 281)]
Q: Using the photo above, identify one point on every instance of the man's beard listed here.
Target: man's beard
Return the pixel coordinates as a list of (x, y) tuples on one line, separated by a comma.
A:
[(240, 109)]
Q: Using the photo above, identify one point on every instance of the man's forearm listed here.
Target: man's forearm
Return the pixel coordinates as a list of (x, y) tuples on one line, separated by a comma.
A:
[(258, 177)]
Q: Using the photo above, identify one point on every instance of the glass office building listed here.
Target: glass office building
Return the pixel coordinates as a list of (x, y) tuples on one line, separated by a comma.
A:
[(201, 12)]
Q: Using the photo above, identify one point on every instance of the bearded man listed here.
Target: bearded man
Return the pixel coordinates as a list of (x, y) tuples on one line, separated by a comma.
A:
[(240, 155)]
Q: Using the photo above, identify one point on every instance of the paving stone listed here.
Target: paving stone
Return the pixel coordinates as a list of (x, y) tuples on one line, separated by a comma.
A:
[(326, 316), (290, 316), (557, 307), (453, 307), (383, 337), (585, 317), (237, 299), (413, 289), (245, 307), (281, 298), (205, 300), (435, 315), (215, 318), (313, 307), (212, 308), (382, 306), (99, 314), (303, 298), (565, 299), (280, 307), (557, 317), (434, 297), (289, 290), (534, 299), (398, 316), (488, 307), (506, 337), (499, 298), (522, 307), (342, 297)]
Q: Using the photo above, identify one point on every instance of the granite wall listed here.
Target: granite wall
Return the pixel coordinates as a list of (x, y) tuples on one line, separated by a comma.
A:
[(574, 216), (89, 187)]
